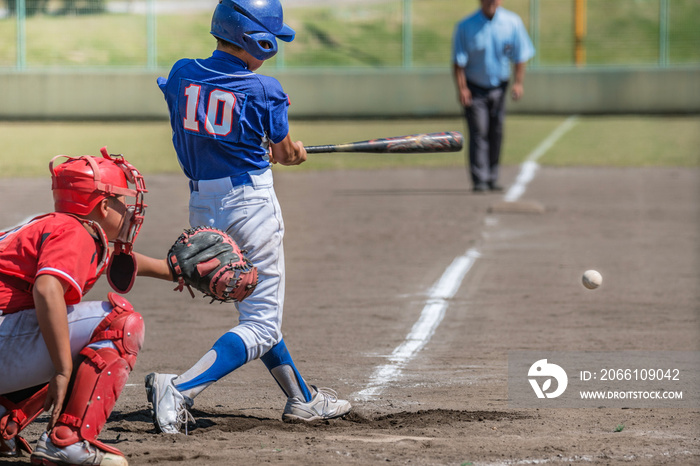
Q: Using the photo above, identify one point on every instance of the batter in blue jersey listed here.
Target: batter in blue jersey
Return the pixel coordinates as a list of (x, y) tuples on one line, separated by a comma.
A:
[(229, 124), (224, 116)]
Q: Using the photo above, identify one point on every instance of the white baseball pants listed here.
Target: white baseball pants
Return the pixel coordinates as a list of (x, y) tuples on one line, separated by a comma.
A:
[(251, 214), (24, 359)]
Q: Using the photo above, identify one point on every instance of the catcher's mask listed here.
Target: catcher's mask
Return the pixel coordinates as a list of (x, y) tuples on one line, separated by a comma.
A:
[(253, 25), (80, 183)]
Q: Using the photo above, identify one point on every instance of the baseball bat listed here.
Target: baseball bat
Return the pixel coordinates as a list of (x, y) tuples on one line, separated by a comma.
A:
[(416, 143)]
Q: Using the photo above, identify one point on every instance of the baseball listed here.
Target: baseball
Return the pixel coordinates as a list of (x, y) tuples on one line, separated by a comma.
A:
[(592, 279)]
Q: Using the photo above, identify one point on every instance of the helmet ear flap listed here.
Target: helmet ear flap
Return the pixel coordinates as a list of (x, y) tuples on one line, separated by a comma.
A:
[(243, 22), (266, 44), (254, 44)]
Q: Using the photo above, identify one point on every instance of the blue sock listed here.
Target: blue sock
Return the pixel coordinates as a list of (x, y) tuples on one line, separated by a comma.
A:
[(231, 354), (279, 356)]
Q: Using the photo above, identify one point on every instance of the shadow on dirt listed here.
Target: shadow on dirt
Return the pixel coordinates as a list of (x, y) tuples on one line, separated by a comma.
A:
[(140, 421)]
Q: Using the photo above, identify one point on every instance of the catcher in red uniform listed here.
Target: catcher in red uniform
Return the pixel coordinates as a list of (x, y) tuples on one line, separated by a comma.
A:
[(57, 353)]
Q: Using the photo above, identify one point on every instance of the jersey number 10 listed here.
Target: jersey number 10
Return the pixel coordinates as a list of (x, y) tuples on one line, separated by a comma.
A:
[(220, 108)]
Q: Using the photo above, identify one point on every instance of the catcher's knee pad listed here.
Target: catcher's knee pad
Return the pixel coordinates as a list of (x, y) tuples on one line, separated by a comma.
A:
[(100, 376), (21, 409), (124, 327)]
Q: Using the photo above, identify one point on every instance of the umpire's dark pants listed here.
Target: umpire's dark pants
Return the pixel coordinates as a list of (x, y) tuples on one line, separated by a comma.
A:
[(485, 121)]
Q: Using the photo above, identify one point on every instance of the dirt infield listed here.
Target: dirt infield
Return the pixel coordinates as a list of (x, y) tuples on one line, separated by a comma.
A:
[(363, 250)]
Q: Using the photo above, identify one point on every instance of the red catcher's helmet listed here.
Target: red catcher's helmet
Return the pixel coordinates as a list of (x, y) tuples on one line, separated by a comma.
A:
[(80, 183)]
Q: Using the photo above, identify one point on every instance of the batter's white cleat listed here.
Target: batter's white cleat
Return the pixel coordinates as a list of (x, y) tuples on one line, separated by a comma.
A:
[(80, 453), (325, 405), (170, 407)]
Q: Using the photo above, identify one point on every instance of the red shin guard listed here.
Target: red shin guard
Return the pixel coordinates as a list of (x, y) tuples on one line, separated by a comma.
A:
[(100, 377), (20, 415)]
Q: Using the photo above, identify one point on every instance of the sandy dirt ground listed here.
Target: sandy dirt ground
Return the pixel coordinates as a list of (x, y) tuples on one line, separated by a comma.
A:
[(363, 250)]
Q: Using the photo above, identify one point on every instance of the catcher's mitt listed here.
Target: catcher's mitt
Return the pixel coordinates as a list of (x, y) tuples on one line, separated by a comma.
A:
[(209, 260)]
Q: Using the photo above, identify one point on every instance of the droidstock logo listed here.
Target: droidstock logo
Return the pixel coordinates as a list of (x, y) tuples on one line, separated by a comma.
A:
[(544, 370)]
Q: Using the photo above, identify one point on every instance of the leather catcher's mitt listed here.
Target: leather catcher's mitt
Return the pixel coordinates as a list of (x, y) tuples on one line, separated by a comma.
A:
[(210, 261)]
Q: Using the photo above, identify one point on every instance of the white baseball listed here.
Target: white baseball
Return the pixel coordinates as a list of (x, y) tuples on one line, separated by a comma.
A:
[(592, 279)]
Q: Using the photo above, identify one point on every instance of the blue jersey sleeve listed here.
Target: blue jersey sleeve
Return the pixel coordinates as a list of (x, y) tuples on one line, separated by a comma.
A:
[(164, 83), (278, 108)]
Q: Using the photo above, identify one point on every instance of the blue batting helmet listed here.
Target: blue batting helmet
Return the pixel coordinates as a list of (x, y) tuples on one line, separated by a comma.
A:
[(253, 25)]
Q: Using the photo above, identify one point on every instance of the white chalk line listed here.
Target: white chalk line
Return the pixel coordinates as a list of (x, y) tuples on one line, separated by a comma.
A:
[(445, 288), (431, 316), (530, 166)]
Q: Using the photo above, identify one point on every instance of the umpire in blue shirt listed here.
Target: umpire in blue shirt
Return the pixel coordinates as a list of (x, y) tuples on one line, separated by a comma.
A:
[(485, 44)]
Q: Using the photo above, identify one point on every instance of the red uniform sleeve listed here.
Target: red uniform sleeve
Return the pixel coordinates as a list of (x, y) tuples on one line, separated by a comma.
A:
[(54, 244), (70, 254)]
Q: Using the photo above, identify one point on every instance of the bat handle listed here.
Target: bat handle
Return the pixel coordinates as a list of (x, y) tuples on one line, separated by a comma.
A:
[(319, 149)]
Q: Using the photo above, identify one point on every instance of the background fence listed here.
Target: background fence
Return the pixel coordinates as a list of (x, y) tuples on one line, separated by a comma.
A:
[(152, 34)]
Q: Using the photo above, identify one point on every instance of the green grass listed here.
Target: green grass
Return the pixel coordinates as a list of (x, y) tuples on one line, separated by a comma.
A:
[(28, 146), (624, 141), (366, 34), (629, 141)]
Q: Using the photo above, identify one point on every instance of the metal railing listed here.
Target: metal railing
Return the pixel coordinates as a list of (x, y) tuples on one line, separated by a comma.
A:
[(149, 34)]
